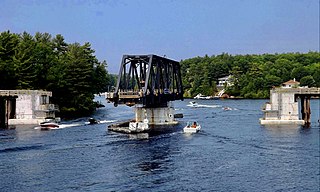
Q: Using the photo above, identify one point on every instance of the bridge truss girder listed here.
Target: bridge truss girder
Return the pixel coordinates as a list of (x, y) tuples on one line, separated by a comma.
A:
[(149, 80)]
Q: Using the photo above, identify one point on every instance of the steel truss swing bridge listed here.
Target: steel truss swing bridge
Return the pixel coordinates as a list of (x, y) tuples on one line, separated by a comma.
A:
[(148, 80)]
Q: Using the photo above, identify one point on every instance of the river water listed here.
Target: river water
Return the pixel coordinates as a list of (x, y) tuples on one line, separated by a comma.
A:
[(232, 152)]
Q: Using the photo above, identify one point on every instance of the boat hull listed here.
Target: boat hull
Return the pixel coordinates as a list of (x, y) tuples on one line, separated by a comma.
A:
[(191, 129), (48, 125)]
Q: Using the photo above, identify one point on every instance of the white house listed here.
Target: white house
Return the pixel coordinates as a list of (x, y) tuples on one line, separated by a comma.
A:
[(225, 81), (291, 84)]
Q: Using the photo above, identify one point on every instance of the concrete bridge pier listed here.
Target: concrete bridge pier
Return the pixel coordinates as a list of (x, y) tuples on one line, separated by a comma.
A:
[(283, 107), (155, 116)]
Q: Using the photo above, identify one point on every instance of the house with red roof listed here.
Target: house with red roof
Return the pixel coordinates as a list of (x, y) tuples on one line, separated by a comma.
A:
[(291, 84)]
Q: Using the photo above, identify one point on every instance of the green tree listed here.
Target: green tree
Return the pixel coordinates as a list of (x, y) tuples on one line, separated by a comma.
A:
[(8, 45), (24, 62), (252, 75), (44, 59), (299, 72), (70, 71), (79, 85), (101, 79), (307, 81)]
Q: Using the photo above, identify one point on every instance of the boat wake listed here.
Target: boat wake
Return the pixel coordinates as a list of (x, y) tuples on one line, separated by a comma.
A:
[(229, 109), (67, 125), (100, 122), (196, 105)]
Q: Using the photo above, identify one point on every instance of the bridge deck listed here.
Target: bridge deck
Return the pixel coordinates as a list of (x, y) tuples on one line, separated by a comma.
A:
[(24, 92), (313, 91)]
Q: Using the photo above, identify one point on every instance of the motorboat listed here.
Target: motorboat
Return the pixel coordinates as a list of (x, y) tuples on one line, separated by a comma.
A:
[(227, 108), (193, 104), (192, 127), (196, 105), (200, 96), (48, 125), (92, 121)]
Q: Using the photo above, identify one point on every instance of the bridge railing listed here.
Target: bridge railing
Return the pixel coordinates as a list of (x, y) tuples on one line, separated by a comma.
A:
[(24, 92), (129, 95), (300, 90)]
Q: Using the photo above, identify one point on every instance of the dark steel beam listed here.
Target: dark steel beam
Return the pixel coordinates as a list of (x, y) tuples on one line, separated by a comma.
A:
[(149, 80)]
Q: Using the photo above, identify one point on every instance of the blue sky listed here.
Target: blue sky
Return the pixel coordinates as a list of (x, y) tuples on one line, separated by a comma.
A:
[(179, 29)]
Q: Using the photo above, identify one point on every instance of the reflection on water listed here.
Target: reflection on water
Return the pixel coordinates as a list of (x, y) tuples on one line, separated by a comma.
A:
[(276, 130), (139, 136)]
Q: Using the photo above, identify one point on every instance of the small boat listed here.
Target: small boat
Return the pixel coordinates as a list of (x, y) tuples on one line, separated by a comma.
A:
[(193, 104), (192, 127), (227, 108), (92, 121), (200, 96), (196, 105), (48, 125)]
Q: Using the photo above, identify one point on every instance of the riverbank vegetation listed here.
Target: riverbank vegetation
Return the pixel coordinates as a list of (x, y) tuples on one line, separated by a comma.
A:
[(42, 62), (74, 74), (252, 75)]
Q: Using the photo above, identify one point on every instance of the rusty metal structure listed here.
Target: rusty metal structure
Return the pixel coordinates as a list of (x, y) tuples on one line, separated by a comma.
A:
[(149, 80)]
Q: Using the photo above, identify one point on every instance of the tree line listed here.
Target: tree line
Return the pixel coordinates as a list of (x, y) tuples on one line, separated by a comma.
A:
[(74, 74), (42, 62), (252, 75)]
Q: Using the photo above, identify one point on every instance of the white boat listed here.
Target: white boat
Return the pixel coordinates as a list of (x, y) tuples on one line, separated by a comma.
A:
[(200, 96), (196, 105), (49, 123), (227, 108), (192, 127), (193, 104)]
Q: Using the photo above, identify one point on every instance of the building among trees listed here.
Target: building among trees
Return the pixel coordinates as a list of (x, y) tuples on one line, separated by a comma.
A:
[(291, 84)]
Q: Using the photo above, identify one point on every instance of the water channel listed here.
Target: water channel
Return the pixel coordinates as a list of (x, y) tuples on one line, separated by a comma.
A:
[(232, 152)]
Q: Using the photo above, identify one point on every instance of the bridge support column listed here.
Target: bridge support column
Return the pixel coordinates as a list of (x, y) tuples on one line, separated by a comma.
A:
[(7, 110), (155, 116), (3, 123), (305, 109)]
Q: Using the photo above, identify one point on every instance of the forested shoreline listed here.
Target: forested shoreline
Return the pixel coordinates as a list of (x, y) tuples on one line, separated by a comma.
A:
[(252, 75), (42, 62), (74, 74)]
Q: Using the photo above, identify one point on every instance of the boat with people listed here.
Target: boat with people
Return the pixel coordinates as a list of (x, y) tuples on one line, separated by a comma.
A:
[(49, 123), (227, 108), (192, 127), (92, 121)]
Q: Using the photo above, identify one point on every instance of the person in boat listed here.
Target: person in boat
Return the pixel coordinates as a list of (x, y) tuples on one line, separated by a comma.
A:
[(194, 125), (92, 121)]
